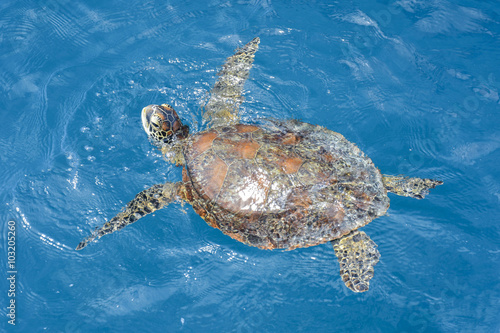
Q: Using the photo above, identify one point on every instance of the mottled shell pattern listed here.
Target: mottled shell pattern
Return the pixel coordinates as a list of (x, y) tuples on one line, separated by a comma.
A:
[(281, 185)]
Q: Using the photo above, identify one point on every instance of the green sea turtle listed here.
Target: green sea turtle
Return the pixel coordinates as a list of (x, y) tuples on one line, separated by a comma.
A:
[(277, 185)]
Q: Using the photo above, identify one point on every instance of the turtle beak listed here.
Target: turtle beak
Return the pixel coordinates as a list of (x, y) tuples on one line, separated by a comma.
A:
[(146, 117)]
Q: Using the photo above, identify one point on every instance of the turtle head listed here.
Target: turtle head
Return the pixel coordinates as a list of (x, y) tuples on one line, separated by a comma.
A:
[(162, 124)]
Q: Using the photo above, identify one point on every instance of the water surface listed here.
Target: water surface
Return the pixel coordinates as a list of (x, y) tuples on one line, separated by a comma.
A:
[(414, 84)]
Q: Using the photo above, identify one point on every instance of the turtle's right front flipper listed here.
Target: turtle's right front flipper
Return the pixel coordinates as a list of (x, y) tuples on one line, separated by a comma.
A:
[(225, 97), (146, 202)]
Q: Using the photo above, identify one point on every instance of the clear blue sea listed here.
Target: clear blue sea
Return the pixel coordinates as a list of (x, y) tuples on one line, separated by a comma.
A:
[(415, 84)]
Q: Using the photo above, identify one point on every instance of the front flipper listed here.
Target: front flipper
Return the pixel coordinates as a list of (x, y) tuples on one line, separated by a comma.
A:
[(225, 97), (146, 202), (416, 188), (357, 255)]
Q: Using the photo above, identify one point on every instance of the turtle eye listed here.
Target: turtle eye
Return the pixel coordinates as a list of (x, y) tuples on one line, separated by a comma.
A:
[(156, 121)]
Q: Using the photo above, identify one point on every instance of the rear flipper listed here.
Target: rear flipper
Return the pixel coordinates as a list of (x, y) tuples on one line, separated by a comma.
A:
[(357, 255), (409, 187), (146, 202)]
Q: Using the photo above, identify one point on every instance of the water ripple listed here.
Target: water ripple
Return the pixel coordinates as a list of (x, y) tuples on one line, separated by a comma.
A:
[(393, 79)]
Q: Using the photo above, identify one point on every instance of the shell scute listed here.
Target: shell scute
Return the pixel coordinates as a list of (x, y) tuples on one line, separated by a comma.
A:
[(235, 147), (203, 143), (247, 191), (242, 128), (209, 179)]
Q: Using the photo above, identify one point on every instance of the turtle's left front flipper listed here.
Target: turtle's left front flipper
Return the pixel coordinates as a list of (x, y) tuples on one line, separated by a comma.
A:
[(357, 255), (146, 202), (225, 97)]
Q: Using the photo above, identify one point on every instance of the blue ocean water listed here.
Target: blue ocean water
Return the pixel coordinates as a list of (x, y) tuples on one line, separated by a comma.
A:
[(415, 84)]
